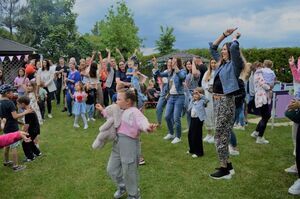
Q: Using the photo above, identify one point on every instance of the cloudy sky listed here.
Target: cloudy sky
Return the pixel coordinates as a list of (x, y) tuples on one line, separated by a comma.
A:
[(263, 23)]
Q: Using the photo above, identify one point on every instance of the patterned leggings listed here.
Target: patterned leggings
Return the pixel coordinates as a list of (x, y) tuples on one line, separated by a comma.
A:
[(224, 114)]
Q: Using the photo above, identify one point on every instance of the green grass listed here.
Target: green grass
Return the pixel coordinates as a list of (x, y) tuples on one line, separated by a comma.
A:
[(70, 168)]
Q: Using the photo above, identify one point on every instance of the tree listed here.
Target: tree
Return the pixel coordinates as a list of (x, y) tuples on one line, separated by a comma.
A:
[(118, 29), (48, 25), (9, 10), (166, 40)]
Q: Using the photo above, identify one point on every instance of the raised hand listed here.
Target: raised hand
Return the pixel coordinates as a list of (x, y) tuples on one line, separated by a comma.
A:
[(229, 31), (236, 36), (117, 50), (107, 50), (292, 60)]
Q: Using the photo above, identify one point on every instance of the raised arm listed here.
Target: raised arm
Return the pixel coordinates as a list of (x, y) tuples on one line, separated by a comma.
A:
[(108, 55), (119, 52), (295, 71), (214, 45), (100, 56), (195, 71), (236, 57)]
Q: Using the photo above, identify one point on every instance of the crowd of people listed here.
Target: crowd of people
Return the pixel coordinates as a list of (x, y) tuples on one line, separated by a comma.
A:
[(216, 96)]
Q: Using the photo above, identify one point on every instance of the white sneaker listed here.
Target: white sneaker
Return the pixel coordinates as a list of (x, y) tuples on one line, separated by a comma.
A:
[(85, 127), (254, 134), (241, 128), (169, 137), (76, 125), (261, 140), (295, 188), (233, 151), (50, 116), (292, 169), (211, 140), (206, 138), (236, 126), (194, 156), (176, 140), (93, 119), (88, 119), (185, 130), (188, 152)]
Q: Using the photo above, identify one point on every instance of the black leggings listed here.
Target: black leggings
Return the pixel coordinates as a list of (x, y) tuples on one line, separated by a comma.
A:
[(195, 137), (265, 116), (50, 96)]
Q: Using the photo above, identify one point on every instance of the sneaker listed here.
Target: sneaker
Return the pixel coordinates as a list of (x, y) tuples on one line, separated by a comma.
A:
[(221, 173), (240, 127), (8, 163), (93, 119), (64, 110), (88, 119), (295, 188), (230, 168), (50, 116), (194, 156), (142, 161), (134, 197), (188, 152), (176, 140), (169, 137), (28, 160), (292, 169), (120, 192), (233, 151), (38, 155), (185, 131), (206, 138), (76, 125), (211, 140), (261, 140), (85, 127), (254, 134), (19, 168)]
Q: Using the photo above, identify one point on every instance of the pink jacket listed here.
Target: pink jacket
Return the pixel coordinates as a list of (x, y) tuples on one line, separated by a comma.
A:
[(132, 123), (295, 70), (10, 138)]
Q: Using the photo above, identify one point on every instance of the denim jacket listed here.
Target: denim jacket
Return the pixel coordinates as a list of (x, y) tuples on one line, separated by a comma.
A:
[(230, 71), (200, 107), (178, 80)]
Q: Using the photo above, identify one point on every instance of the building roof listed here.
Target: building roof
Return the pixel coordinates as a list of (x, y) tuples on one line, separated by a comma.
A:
[(183, 55), (9, 48)]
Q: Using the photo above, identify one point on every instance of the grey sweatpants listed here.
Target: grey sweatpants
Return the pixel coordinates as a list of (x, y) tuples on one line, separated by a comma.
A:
[(123, 163)]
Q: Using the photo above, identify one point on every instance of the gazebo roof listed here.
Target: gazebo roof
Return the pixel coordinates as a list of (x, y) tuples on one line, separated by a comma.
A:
[(9, 48)]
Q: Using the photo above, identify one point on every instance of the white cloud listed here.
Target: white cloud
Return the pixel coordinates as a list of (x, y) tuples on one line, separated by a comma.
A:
[(148, 51), (270, 23)]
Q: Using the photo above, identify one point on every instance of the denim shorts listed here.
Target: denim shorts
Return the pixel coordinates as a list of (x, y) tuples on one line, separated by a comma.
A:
[(15, 145)]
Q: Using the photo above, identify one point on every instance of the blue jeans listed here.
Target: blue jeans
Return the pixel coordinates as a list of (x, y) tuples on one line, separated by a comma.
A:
[(69, 103), (160, 108), (239, 115), (173, 113), (233, 140), (90, 109)]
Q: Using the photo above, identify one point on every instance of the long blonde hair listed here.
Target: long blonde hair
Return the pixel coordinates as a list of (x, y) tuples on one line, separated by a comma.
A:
[(209, 71), (246, 72)]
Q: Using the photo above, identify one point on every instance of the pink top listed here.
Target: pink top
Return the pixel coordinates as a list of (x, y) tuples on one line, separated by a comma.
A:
[(9, 138), (295, 71), (132, 123), (80, 96), (19, 81)]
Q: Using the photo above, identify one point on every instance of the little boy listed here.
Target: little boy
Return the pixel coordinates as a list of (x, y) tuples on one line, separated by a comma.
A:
[(9, 113), (31, 126)]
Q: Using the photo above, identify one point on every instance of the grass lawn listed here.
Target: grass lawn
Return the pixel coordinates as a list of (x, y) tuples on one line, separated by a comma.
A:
[(70, 168)]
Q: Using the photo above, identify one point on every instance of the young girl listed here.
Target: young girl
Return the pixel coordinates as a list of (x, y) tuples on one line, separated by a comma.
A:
[(123, 162), (20, 82), (197, 110), (79, 106), (31, 93)]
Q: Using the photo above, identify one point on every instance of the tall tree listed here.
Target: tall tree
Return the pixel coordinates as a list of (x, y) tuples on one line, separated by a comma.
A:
[(166, 40), (48, 25), (118, 29), (9, 10)]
